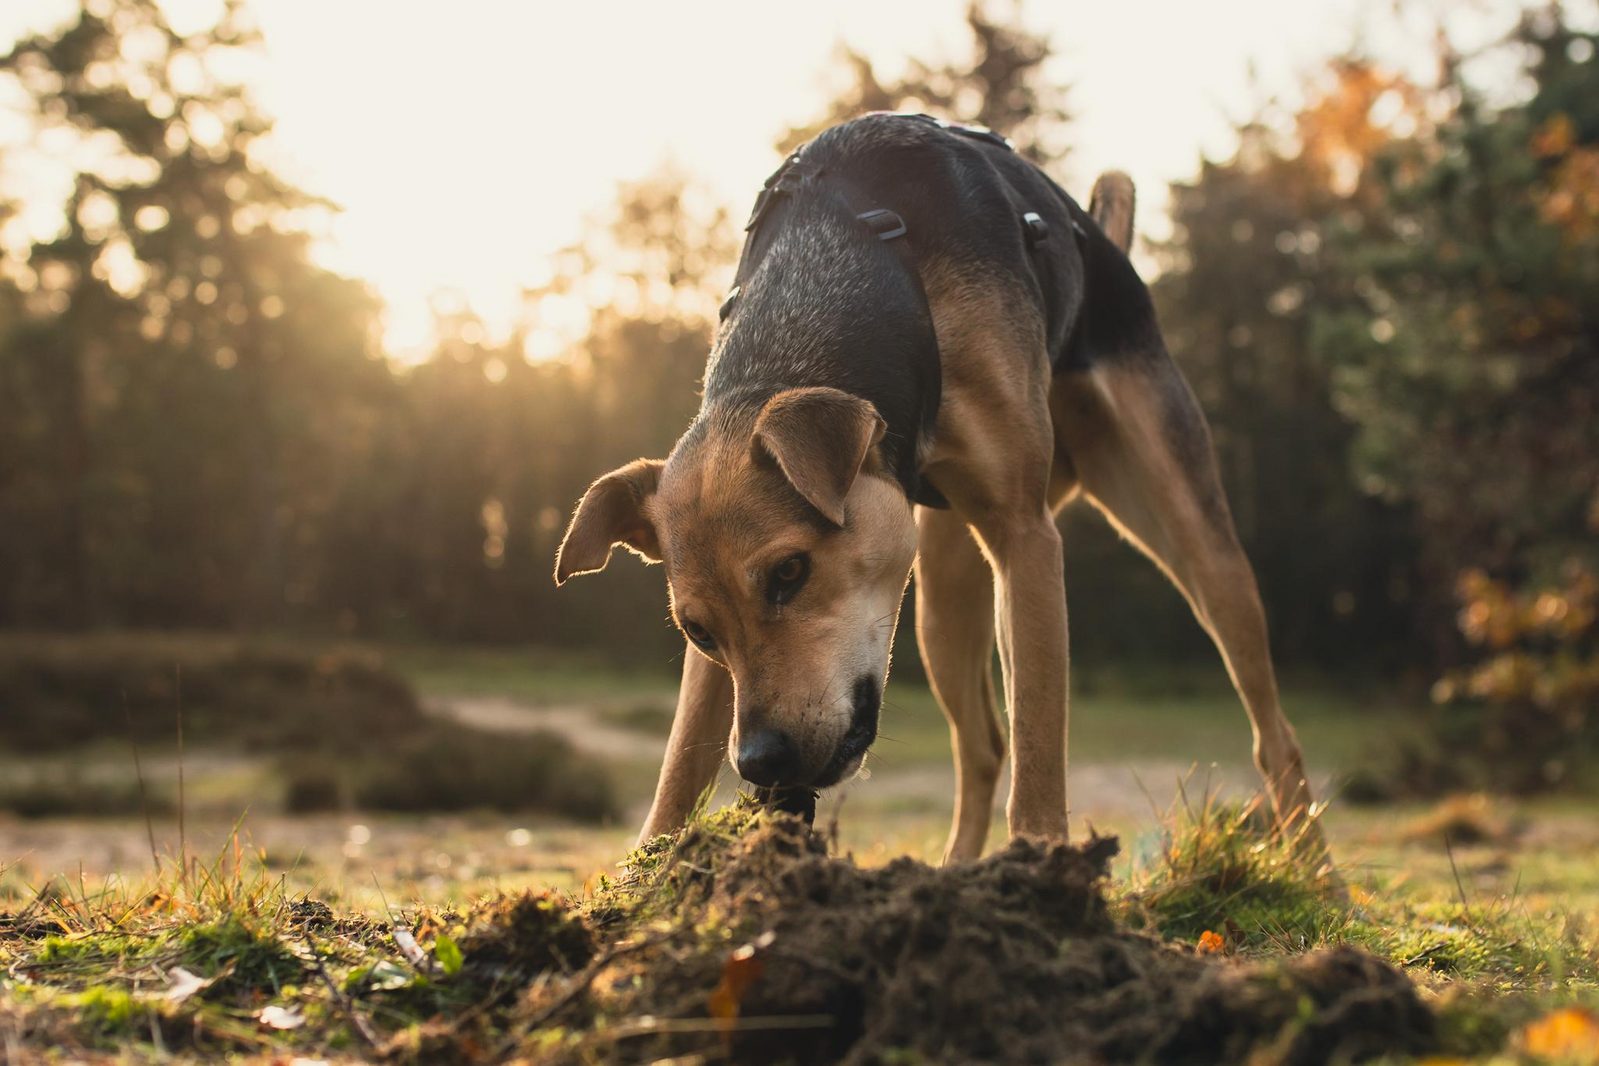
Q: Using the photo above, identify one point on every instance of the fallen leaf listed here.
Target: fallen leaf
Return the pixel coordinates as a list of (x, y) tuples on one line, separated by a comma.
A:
[(741, 971), (1211, 943), (1570, 1035), (185, 984), (275, 1017), (412, 950)]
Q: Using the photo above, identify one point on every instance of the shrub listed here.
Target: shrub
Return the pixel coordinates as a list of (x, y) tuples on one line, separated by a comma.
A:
[(1524, 717), (443, 767), (60, 691), (312, 789), (64, 795)]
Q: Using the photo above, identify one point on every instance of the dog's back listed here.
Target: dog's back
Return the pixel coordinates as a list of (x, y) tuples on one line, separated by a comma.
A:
[(970, 205)]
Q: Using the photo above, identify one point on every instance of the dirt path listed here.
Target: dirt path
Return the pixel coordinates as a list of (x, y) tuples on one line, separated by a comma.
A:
[(579, 724), (1100, 792)]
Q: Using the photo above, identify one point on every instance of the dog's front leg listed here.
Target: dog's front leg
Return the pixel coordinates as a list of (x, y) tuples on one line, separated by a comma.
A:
[(697, 746), (1030, 621)]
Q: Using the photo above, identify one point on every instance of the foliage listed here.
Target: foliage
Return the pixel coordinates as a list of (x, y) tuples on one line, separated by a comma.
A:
[(185, 393), (61, 692), (1470, 360), (343, 726), (1224, 872), (1007, 84), (451, 768), (1227, 881), (1380, 300), (1526, 715)]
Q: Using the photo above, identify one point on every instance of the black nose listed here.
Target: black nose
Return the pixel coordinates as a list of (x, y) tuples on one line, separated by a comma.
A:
[(767, 757)]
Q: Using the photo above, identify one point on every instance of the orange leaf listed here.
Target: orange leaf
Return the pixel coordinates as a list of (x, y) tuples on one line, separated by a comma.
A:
[(741, 971), (1570, 1034), (1211, 943)]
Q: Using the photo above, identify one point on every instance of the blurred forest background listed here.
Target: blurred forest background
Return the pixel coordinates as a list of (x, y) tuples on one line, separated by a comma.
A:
[(1387, 301)]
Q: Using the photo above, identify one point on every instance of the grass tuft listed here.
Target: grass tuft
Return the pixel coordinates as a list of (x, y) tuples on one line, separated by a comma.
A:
[(1225, 870)]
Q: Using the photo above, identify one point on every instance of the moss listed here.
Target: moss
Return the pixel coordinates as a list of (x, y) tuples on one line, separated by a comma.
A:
[(529, 933), (247, 956), (106, 1009)]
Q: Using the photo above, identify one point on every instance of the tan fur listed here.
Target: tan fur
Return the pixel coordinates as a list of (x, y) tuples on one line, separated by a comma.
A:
[(955, 631), (992, 459), (722, 513), (1111, 205), (697, 746), (1167, 499), (793, 667), (1014, 444), (819, 438), (611, 512)]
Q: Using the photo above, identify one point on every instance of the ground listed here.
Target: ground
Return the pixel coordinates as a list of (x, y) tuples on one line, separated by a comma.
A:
[(1487, 902)]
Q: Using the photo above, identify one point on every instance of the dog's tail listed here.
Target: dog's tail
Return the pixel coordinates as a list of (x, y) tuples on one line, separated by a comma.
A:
[(1111, 205)]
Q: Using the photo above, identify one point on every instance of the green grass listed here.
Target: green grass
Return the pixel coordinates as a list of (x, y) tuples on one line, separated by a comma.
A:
[(1185, 712), (533, 675), (1500, 929), (94, 968)]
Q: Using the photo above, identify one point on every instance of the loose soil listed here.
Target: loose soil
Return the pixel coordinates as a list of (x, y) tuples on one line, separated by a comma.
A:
[(745, 940)]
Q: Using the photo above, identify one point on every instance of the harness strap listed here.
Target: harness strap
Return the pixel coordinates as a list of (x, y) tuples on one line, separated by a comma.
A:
[(886, 225)]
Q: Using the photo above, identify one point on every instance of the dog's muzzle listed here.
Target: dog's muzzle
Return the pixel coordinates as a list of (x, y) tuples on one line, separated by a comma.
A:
[(866, 703)]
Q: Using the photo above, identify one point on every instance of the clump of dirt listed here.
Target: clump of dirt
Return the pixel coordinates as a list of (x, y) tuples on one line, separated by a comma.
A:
[(529, 933), (760, 947)]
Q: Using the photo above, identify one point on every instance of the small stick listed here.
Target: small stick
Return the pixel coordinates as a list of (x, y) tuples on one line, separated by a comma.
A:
[(1465, 904), (183, 836), (362, 1027), (579, 985), (138, 772)]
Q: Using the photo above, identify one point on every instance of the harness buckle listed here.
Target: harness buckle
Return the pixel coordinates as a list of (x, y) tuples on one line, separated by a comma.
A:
[(885, 224), (1037, 229)]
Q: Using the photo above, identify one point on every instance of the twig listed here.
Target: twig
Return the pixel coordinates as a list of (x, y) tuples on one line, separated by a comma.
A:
[(1465, 904), (138, 772), (183, 837), (580, 984), (394, 923), (362, 1027), (586, 977), (754, 1023)]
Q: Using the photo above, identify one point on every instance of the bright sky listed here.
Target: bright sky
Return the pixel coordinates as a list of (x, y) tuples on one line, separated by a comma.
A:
[(467, 141)]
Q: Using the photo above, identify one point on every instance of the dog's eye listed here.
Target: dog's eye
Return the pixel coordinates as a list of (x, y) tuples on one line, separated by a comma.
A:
[(786, 578), (699, 635)]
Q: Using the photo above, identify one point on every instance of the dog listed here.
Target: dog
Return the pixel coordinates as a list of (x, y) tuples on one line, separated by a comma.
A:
[(929, 351)]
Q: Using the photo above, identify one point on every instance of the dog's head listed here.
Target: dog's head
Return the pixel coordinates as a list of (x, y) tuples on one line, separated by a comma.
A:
[(787, 548)]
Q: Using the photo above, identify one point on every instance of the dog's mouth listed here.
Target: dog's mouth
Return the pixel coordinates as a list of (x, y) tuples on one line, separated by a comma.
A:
[(862, 732), (800, 799)]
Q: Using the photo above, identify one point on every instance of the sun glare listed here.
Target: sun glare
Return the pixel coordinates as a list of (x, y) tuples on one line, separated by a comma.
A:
[(464, 146)]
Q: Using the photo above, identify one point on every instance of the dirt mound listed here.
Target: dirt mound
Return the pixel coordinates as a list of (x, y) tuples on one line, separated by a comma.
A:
[(760, 947)]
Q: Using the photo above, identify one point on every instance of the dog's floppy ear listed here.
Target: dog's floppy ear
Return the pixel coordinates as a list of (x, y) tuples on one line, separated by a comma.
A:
[(611, 512), (819, 437)]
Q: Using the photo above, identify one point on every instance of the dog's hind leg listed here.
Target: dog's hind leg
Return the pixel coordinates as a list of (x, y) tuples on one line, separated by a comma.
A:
[(1142, 449), (697, 746), (955, 631)]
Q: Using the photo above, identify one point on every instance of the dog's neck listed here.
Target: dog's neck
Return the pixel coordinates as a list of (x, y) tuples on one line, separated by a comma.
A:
[(822, 302)]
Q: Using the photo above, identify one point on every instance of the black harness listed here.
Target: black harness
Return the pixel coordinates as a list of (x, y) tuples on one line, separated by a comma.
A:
[(796, 172)]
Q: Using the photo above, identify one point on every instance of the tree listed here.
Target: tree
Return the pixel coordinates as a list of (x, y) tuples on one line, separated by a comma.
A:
[(195, 370), (1247, 276), (1004, 85), (1470, 358)]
